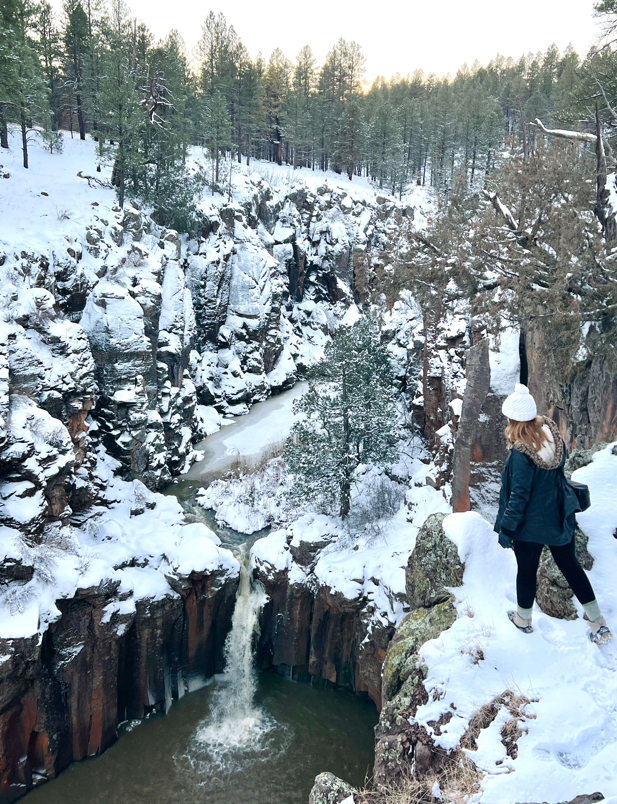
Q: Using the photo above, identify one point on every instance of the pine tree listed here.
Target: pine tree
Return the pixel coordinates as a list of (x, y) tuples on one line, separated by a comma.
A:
[(276, 84), (347, 417), (9, 66), (299, 103), (120, 105), (28, 92), (49, 48), (76, 48), (217, 74)]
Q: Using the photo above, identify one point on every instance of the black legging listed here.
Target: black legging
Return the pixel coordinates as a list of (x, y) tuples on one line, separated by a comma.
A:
[(528, 558)]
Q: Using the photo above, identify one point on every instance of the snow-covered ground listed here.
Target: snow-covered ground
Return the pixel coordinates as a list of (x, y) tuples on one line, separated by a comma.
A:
[(58, 194), (569, 740), (356, 562), (137, 539), (281, 177), (52, 202)]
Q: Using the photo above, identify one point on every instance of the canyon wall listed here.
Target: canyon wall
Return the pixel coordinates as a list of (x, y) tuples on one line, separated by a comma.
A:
[(63, 693)]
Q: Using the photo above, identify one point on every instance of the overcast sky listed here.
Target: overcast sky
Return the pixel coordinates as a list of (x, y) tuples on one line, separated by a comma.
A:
[(396, 35)]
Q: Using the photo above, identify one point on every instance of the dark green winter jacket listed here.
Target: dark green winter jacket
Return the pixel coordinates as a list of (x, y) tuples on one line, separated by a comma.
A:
[(532, 502)]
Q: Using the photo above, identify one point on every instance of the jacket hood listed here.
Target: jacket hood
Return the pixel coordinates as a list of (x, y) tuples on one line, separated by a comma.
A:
[(549, 457)]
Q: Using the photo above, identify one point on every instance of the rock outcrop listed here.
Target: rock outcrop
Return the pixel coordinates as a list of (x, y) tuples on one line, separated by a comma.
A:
[(311, 633), (63, 695), (433, 567), (329, 789), (584, 407)]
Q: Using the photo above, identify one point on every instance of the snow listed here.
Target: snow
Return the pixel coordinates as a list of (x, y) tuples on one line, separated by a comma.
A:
[(209, 419), (35, 222), (271, 551), (456, 406), (504, 360), (357, 560), (351, 316), (570, 728), (157, 542)]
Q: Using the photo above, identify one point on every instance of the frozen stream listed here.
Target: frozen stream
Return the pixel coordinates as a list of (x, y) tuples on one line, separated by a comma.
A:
[(242, 438), (245, 438)]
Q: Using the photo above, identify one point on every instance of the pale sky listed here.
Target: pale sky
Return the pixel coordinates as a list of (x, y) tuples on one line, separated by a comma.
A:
[(396, 36)]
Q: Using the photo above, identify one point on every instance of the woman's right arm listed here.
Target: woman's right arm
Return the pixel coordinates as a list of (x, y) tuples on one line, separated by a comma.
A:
[(522, 472)]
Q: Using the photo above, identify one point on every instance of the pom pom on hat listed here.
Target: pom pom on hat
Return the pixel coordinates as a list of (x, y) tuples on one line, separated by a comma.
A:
[(520, 406)]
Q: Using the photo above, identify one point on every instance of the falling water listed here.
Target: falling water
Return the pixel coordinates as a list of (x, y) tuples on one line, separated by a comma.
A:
[(237, 732)]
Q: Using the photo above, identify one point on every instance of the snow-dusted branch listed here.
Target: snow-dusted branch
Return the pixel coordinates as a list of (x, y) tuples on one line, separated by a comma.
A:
[(577, 136)]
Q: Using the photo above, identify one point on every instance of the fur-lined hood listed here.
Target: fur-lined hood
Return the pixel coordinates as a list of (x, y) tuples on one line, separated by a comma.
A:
[(551, 453)]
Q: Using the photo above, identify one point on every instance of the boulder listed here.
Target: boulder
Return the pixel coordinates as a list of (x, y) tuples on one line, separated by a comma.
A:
[(402, 656), (433, 566), (329, 789)]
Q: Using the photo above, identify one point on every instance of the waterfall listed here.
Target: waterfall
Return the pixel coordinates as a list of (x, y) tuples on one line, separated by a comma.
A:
[(237, 730)]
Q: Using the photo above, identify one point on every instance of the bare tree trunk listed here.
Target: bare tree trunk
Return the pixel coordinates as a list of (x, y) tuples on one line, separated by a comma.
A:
[(24, 138), (603, 209), (473, 159), (346, 485), (80, 118), (4, 130)]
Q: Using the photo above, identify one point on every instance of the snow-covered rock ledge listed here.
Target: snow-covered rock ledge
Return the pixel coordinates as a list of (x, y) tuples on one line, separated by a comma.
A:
[(337, 594), (104, 623)]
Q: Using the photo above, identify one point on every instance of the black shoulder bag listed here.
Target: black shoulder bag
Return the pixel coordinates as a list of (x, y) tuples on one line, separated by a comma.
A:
[(581, 491)]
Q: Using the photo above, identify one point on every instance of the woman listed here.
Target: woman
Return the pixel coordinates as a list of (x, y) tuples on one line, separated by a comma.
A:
[(532, 511)]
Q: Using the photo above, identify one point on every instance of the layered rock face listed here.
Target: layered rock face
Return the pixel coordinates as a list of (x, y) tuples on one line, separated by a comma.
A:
[(119, 331), (585, 407), (310, 632), (62, 695)]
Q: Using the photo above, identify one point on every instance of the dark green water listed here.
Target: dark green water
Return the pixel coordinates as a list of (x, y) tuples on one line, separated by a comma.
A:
[(160, 761)]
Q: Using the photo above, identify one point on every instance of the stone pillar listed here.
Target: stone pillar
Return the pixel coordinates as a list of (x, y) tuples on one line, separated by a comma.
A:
[(478, 384)]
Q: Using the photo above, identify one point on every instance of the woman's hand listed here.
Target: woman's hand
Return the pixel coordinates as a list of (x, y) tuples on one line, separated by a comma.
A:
[(506, 537)]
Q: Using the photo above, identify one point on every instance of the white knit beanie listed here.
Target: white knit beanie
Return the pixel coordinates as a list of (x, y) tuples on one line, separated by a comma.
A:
[(520, 406)]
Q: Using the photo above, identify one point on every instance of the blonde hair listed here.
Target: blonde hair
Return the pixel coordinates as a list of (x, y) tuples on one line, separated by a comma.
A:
[(529, 433)]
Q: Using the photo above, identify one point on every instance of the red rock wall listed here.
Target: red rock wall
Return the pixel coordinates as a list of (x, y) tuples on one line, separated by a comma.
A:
[(61, 698), (320, 636)]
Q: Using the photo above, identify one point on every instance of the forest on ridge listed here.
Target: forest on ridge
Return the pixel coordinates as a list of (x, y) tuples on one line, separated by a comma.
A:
[(489, 142), (95, 69)]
